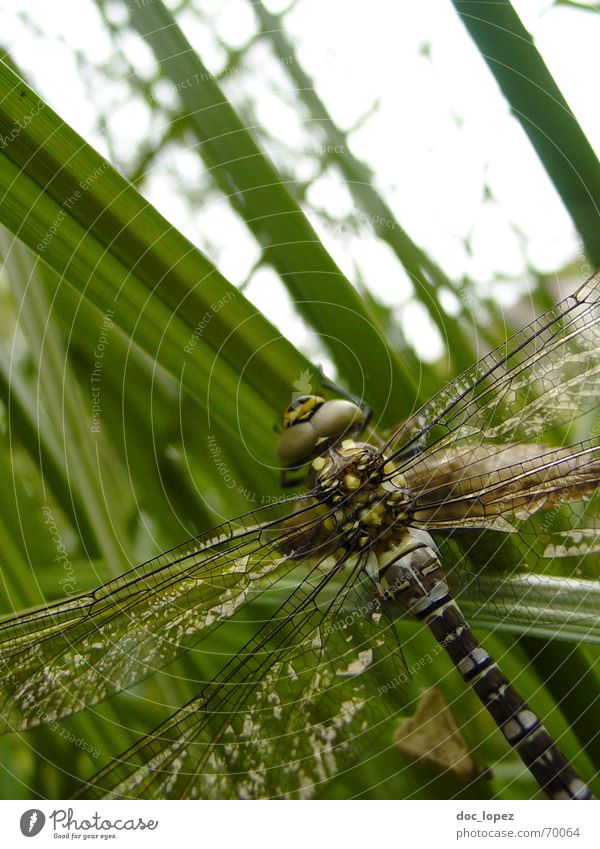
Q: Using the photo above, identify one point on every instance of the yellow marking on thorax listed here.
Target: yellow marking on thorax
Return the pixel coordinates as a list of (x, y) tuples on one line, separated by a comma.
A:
[(351, 481)]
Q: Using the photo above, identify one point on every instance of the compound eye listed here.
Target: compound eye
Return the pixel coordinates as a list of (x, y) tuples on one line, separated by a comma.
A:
[(302, 409), (335, 418), (296, 444)]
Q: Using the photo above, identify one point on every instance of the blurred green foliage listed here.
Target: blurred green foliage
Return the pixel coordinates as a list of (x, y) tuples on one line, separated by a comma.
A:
[(86, 492)]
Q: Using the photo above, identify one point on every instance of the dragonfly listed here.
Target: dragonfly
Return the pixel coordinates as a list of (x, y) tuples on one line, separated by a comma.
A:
[(418, 522)]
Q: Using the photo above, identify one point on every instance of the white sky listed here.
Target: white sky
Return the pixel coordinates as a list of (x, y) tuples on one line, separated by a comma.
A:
[(440, 132)]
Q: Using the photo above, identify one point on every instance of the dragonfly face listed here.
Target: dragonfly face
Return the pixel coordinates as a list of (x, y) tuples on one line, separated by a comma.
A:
[(486, 467), (311, 423)]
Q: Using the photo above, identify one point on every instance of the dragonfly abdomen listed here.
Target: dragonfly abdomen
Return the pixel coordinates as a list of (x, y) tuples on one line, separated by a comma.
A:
[(416, 579)]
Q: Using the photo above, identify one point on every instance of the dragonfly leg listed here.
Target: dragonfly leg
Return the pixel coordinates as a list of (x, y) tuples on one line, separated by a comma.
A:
[(416, 580)]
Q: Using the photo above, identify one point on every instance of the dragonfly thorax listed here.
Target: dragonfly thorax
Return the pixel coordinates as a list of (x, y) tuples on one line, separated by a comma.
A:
[(363, 491)]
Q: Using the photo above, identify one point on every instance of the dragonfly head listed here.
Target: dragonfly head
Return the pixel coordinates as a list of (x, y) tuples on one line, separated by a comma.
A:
[(311, 425)]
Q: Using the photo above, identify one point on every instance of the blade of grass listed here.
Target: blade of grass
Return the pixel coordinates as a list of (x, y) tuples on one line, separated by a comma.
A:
[(57, 389), (426, 275), (250, 182), (538, 104), (574, 684), (41, 446), (94, 229)]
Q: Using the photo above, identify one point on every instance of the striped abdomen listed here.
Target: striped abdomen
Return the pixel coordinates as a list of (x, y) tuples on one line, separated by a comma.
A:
[(416, 579)]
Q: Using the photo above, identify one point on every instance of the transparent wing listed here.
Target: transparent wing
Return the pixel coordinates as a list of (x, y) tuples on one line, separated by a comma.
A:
[(518, 532), (544, 576), (498, 487), (502, 503), (57, 659), (314, 687), (543, 377)]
